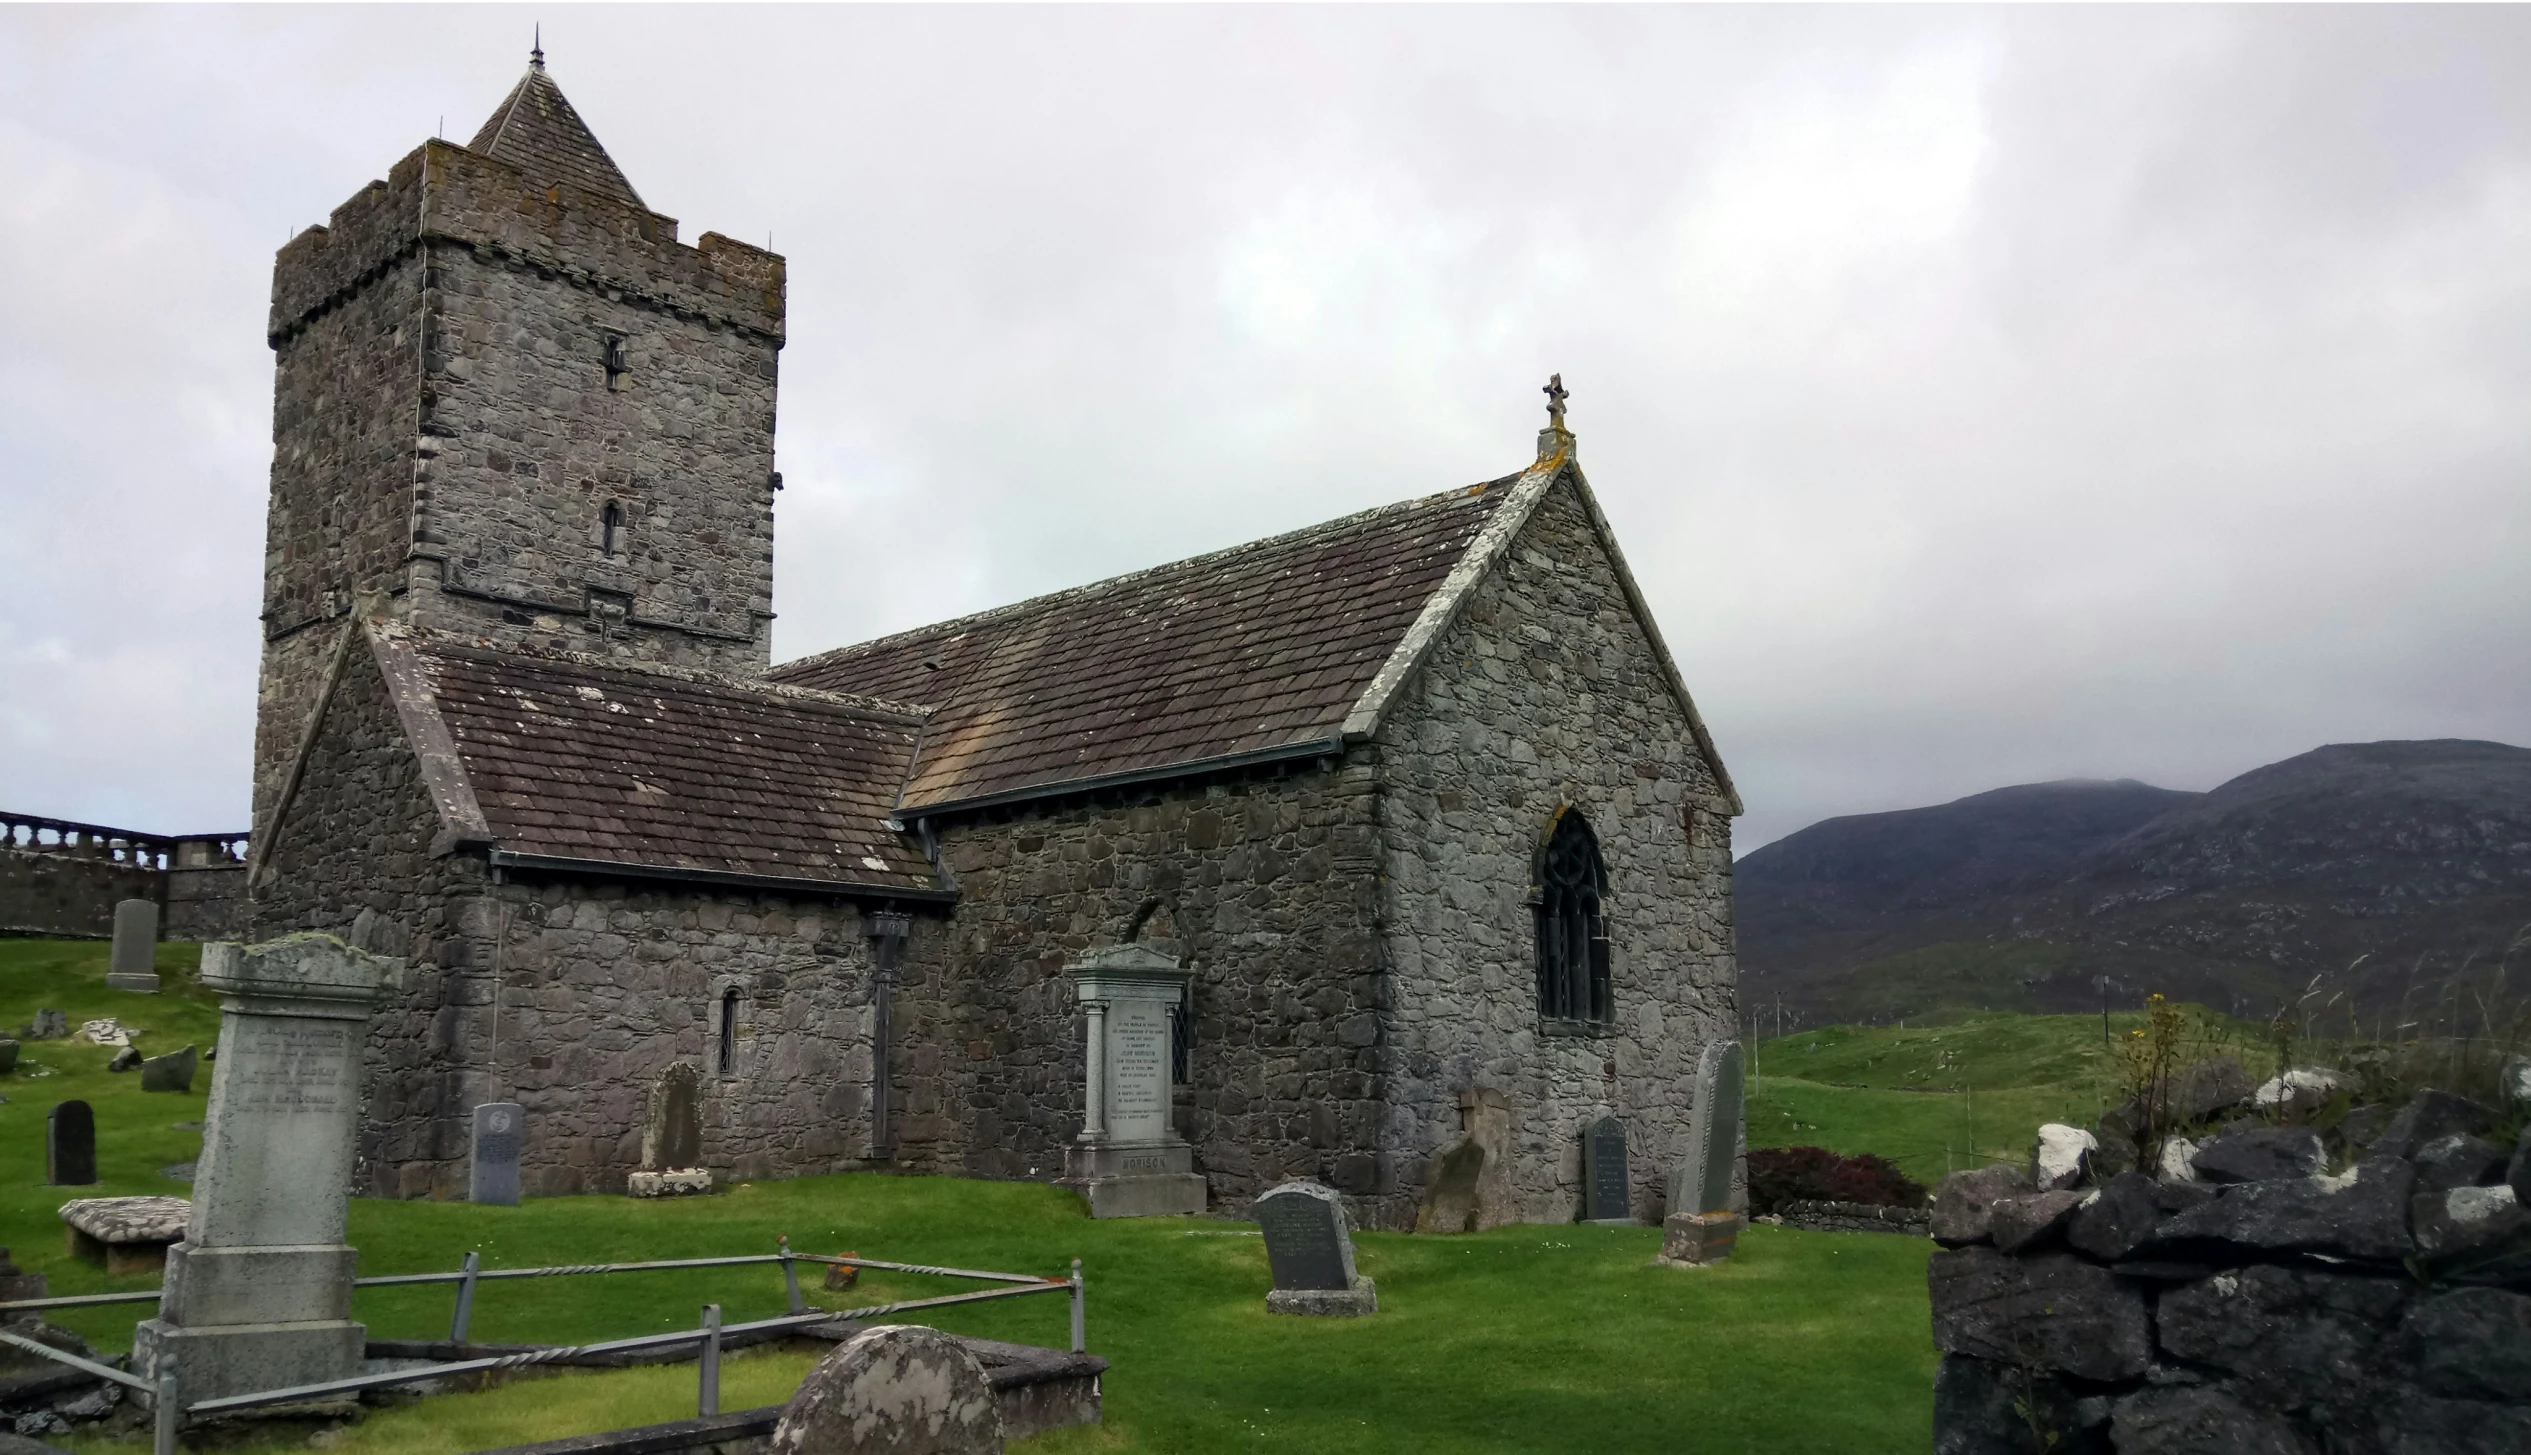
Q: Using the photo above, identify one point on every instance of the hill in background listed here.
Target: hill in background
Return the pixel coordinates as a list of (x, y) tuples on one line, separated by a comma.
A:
[(2376, 867)]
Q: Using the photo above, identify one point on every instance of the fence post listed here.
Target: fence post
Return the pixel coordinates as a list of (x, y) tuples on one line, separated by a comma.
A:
[(465, 1298), (791, 1277), (1080, 1320), (170, 1414), (707, 1401)]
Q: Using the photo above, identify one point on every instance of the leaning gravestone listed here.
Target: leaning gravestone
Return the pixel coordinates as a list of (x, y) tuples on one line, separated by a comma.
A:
[(1701, 1226), (898, 1390), (135, 962), (672, 1137), (258, 1295), (70, 1145), (500, 1134), (1309, 1244), (171, 1072), (1605, 1187)]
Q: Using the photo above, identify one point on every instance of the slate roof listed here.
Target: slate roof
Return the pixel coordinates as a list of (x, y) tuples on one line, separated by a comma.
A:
[(1242, 652), (569, 758), (538, 132)]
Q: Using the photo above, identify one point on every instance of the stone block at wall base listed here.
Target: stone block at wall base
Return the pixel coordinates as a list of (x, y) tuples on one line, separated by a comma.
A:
[(1692, 1240), (685, 1182), (144, 982), (213, 1363), (1154, 1195), (271, 1285), (1362, 1298)]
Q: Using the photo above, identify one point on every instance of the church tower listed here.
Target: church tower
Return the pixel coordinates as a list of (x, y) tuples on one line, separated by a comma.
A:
[(510, 404)]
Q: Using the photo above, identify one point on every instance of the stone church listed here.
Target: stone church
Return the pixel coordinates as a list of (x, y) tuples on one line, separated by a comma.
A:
[(1415, 802)]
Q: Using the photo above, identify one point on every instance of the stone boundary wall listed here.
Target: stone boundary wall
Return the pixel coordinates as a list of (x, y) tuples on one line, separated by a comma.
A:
[(2252, 1300), (1852, 1217)]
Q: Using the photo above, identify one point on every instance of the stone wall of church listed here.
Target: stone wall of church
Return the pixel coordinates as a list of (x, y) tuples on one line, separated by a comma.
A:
[(1263, 886), (566, 995), (1547, 692), (530, 446)]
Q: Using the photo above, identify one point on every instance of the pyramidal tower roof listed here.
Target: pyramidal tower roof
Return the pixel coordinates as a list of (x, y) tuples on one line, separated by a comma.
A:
[(536, 131)]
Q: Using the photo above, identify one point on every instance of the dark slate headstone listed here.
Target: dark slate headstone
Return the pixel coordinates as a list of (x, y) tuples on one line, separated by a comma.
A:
[(8, 1056), (500, 1133), (1305, 1236), (70, 1145), (673, 1140), (1604, 1185), (171, 1072)]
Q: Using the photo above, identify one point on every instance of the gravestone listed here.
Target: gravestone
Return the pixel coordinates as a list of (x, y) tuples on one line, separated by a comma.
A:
[(126, 1234), (1702, 1226), (8, 1056), (258, 1295), (672, 1137), (1309, 1244), (135, 962), (48, 1025), (500, 1134), (1606, 1191), (1128, 1160), (1469, 1188), (171, 1072), (897, 1390), (70, 1145)]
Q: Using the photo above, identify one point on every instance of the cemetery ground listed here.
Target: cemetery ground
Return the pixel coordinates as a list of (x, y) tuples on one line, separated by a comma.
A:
[(1525, 1338)]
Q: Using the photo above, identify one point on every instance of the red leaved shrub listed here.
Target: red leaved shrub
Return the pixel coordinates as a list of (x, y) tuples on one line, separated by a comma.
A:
[(1778, 1175)]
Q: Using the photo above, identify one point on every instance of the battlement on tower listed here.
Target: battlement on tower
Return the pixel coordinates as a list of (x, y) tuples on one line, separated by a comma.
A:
[(442, 192)]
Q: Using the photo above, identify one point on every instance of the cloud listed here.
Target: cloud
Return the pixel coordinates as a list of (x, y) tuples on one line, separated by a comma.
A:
[(1981, 395)]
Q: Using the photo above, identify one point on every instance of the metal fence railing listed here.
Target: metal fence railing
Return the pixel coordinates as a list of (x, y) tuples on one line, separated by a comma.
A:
[(709, 1336)]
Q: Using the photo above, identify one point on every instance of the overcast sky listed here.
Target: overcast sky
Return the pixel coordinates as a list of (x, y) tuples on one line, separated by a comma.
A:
[(1981, 396)]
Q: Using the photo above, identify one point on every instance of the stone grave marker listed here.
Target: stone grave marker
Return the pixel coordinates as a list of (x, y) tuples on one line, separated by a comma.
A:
[(135, 962), (126, 1234), (8, 1056), (1701, 1226), (70, 1145), (1309, 1244), (1606, 1191), (1128, 1160), (901, 1389), (258, 1295), (48, 1025), (672, 1136), (500, 1135), (171, 1072)]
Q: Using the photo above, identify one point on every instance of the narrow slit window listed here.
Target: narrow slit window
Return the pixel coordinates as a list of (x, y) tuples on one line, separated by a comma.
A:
[(619, 369), (729, 1031), (610, 526), (1573, 964)]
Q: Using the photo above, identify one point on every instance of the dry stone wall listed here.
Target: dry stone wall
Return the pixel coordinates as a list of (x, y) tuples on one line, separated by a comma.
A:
[(1546, 692), (2259, 1298)]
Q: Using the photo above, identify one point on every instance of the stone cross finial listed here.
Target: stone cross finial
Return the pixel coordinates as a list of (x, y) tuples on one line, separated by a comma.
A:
[(1556, 395)]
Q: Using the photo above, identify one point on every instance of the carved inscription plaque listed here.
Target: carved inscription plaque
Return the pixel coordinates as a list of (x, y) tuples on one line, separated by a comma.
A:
[(285, 1066), (1138, 1070)]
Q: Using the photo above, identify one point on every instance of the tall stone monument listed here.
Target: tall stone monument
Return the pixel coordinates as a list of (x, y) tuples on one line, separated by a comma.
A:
[(500, 1134), (1129, 1161), (258, 1295), (135, 962), (1702, 1226)]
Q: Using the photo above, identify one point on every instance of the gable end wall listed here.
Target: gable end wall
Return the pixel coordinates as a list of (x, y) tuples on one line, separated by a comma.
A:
[(1546, 691)]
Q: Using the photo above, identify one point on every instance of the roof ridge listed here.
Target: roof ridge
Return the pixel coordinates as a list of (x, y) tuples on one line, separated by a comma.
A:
[(1126, 579), (425, 639)]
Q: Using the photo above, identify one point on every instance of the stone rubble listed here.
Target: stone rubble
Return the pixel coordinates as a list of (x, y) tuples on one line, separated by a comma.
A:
[(2251, 1300)]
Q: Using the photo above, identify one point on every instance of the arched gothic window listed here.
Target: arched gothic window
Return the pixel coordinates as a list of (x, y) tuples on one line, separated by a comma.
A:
[(1573, 923)]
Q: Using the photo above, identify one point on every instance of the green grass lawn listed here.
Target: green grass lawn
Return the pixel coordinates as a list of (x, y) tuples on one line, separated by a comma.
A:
[(1932, 1098), (1530, 1338)]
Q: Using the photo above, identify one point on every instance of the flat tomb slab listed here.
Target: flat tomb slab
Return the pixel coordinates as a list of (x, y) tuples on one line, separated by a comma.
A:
[(126, 1234)]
